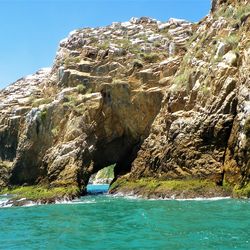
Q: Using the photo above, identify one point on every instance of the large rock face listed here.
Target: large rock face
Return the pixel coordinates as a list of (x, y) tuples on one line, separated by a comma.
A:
[(164, 100)]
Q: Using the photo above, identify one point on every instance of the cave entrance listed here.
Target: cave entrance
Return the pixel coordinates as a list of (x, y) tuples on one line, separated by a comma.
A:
[(100, 181), (113, 158)]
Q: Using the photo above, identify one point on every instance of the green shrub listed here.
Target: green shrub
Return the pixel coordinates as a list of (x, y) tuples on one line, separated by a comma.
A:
[(157, 44), (228, 12), (135, 49), (55, 131), (241, 11), (94, 40), (165, 33), (43, 115), (71, 61), (89, 91), (232, 41), (125, 43), (186, 60), (71, 99), (150, 58), (105, 45), (143, 37), (81, 89), (242, 192), (38, 102), (183, 78)]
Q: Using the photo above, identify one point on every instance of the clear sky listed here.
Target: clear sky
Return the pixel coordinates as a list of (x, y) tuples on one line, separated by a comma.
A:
[(30, 30)]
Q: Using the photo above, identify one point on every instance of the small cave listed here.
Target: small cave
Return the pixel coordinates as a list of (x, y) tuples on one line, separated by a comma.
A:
[(112, 160)]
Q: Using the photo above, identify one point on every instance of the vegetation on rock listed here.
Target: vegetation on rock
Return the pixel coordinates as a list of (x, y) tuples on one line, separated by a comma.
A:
[(189, 188), (42, 193)]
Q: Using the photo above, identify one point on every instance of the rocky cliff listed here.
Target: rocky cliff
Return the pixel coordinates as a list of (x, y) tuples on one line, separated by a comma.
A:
[(161, 100)]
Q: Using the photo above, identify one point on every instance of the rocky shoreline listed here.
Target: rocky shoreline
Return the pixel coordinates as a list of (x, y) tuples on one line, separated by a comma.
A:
[(28, 195), (192, 189), (137, 193), (175, 189)]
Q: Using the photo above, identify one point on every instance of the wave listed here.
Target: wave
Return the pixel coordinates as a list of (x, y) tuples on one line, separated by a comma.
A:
[(205, 199), (6, 202), (133, 196), (76, 201), (130, 196)]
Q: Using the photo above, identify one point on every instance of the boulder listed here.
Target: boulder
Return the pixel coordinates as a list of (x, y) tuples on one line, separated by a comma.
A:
[(231, 58)]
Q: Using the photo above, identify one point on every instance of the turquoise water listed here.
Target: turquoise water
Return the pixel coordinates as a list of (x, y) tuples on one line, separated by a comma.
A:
[(106, 222)]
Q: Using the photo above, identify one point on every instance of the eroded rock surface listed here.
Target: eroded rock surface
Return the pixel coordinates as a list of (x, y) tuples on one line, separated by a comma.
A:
[(164, 100)]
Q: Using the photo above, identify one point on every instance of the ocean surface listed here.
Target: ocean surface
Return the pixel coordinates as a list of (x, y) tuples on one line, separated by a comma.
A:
[(107, 222)]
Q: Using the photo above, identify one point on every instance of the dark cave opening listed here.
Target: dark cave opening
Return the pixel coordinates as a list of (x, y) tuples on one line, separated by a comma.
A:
[(119, 153)]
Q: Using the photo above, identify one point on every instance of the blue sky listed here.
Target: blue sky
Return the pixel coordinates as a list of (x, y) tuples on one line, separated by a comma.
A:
[(30, 30)]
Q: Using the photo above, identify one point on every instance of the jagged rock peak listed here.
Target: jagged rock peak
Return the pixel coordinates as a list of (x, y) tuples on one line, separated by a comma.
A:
[(136, 30), (139, 35)]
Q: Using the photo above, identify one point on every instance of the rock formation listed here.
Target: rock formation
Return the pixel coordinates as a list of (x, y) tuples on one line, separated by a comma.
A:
[(163, 100)]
